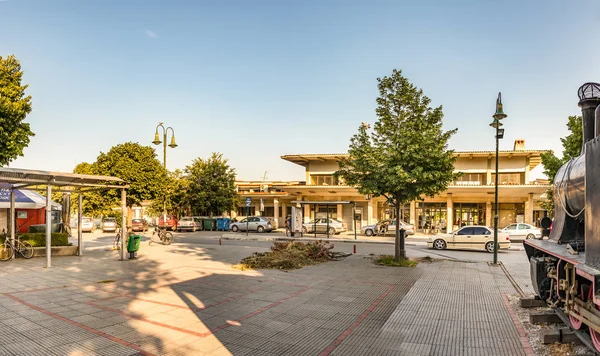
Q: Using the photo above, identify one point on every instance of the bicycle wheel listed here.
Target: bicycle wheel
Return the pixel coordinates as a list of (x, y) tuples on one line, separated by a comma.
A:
[(6, 252), (25, 249), (168, 238)]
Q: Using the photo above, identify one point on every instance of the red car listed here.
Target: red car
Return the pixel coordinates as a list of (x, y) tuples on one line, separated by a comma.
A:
[(139, 225), (171, 223)]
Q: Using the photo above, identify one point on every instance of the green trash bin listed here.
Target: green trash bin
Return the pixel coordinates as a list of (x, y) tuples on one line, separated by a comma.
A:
[(133, 245), (210, 224)]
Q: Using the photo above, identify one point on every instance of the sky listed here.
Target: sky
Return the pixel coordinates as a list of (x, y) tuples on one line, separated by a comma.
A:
[(255, 80)]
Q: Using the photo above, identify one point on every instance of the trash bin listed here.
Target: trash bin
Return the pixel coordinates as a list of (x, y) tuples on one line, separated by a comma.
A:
[(210, 224), (133, 245), (223, 224)]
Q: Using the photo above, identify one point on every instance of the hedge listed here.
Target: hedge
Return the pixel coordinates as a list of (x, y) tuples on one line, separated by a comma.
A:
[(39, 239)]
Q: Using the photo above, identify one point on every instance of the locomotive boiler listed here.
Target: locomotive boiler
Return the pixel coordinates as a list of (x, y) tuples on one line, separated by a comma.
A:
[(565, 268)]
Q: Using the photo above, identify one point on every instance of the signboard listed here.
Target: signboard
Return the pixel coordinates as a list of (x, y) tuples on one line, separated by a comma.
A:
[(21, 215), (296, 219), (262, 205), (248, 202)]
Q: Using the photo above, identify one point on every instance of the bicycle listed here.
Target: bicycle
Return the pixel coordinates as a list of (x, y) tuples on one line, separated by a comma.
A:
[(117, 241), (8, 249), (165, 237)]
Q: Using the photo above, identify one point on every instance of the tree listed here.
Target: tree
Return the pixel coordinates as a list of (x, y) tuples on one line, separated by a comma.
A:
[(137, 165), (406, 155), (176, 194), (210, 186), (14, 107), (572, 148)]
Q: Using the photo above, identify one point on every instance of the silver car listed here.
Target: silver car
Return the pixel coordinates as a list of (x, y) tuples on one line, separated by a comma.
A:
[(321, 225), (87, 224), (520, 231), (189, 223), (254, 223), (376, 229)]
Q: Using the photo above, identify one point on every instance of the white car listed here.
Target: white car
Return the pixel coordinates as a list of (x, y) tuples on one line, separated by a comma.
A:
[(87, 224), (320, 226), (469, 237), (189, 223), (371, 230), (520, 231)]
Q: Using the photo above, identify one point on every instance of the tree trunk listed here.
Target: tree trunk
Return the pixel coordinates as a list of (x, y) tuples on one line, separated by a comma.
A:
[(66, 213), (399, 240)]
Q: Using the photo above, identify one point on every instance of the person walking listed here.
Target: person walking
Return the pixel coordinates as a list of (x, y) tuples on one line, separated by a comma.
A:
[(288, 225)]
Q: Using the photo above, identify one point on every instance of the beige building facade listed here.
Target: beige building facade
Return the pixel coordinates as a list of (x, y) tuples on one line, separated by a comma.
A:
[(467, 201)]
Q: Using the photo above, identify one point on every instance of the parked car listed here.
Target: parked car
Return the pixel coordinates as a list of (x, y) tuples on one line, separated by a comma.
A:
[(87, 224), (469, 237), (522, 231), (139, 225), (189, 223), (170, 224), (254, 223), (109, 224), (335, 226), (371, 230)]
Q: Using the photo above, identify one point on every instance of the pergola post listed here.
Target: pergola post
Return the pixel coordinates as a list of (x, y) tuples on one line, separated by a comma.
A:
[(13, 218), (48, 226), (79, 222), (123, 222)]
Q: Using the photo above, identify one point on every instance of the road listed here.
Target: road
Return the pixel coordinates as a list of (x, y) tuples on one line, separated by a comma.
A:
[(98, 239)]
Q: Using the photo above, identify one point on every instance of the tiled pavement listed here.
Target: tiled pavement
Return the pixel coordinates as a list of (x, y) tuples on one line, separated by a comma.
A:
[(184, 300)]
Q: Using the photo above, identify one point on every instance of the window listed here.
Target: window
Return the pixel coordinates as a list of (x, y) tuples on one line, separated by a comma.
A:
[(525, 227), (323, 179), (269, 211), (509, 178), (241, 211), (470, 179), (481, 231), (511, 227), (466, 231)]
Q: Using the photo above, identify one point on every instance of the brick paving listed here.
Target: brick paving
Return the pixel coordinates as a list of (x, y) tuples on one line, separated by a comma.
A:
[(187, 300)]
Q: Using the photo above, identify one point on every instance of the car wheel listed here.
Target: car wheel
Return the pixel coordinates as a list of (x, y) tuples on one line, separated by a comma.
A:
[(439, 244), (489, 247), (530, 236), (234, 228), (369, 232), (260, 229), (331, 231)]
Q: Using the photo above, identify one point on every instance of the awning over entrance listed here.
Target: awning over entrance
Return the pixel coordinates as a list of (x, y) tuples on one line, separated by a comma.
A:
[(24, 199)]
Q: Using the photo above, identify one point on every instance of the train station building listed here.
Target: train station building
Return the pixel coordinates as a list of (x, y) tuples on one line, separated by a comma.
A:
[(467, 201)]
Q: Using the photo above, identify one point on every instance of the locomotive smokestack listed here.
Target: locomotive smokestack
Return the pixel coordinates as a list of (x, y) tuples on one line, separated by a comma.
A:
[(589, 99)]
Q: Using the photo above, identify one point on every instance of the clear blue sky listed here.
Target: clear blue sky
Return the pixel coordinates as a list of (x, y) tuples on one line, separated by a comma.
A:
[(259, 79)]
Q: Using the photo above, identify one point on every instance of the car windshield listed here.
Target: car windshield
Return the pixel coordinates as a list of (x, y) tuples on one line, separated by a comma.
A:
[(109, 220), (86, 220), (137, 220), (186, 219)]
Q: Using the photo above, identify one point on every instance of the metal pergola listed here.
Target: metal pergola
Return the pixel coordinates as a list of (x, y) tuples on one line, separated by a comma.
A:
[(327, 204), (65, 182)]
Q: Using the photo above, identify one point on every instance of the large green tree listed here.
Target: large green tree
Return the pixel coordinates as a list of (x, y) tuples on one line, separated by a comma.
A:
[(572, 148), (210, 186), (137, 165), (14, 107), (406, 155)]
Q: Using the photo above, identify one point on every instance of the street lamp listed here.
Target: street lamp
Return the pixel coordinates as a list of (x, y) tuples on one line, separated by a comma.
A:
[(499, 115), (157, 141)]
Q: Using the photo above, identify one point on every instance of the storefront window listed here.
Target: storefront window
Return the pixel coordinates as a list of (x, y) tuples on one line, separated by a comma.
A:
[(322, 211), (469, 214), (509, 213), (431, 217), (241, 211)]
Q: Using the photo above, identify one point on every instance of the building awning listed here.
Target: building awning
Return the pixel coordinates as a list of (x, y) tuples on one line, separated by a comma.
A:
[(324, 202), (24, 199)]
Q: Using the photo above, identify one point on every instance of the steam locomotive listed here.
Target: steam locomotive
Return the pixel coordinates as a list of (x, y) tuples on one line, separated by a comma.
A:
[(565, 268)]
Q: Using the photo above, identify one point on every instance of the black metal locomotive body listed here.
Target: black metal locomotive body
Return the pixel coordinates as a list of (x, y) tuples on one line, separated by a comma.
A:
[(565, 268)]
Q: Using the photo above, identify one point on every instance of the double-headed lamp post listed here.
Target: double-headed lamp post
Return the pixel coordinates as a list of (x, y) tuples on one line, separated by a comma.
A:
[(157, 141), (499, 115)]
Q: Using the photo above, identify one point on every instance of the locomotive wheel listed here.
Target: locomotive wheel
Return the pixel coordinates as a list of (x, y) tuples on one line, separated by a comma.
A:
[(595, 338)]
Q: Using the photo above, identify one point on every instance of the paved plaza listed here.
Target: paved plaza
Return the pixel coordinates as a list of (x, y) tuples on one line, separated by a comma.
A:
[(186, 299)]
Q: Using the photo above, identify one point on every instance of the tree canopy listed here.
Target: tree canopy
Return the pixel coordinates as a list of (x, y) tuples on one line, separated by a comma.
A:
[(572, 148), (210, 186), (405, 156), (14, 107)]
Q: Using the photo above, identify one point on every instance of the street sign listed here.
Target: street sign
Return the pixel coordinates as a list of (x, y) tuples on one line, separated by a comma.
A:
[(248, 201)]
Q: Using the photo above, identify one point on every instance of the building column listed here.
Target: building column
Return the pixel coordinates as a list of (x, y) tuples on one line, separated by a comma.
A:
[(370, 211), (257, 208), (529, 210), (488, 213), (449, 213), (488, 173), (413, 212), (306, 213), (276, 213), (339, 211)]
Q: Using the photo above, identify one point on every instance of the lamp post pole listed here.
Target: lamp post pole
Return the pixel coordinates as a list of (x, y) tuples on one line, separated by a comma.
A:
[(172, 145), (499, 115)]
